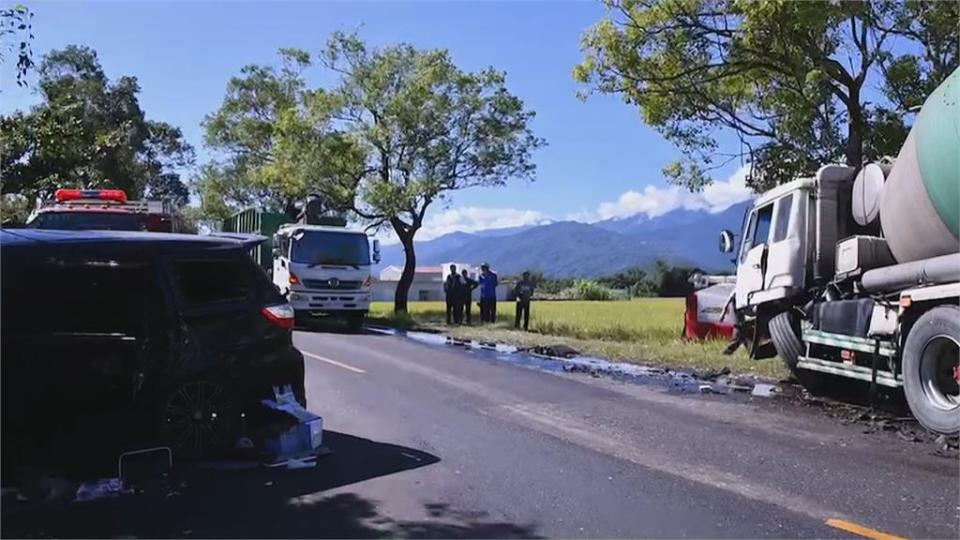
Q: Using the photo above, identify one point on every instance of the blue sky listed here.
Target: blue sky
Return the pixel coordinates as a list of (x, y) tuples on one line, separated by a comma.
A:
[(601, 160)]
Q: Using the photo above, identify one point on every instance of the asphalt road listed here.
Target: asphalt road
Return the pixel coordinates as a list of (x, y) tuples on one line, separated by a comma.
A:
[(433, 441), (516, 451)]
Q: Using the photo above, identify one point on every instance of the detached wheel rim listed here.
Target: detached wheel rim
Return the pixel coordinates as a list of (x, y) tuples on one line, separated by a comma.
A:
[(939, 368), (198, 417)]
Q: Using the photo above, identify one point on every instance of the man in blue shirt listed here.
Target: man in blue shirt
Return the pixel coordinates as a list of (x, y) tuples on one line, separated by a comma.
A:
[(488, 294)]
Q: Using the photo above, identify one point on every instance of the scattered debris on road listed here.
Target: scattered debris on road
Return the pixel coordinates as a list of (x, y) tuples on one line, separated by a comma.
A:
[(560, 358), (556, 351), (296, 446)]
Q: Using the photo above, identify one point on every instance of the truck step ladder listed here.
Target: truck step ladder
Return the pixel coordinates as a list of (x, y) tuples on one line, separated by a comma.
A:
[(875, 347)]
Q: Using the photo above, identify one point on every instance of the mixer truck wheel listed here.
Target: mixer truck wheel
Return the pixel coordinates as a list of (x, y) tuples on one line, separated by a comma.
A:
[(785, 333), (931, 369)]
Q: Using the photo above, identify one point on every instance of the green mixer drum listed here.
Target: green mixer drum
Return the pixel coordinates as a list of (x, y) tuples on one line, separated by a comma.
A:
[(920, 206), (938, 150)]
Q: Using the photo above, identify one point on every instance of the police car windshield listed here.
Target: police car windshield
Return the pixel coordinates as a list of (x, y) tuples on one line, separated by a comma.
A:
[(319, 247), (96, 221)]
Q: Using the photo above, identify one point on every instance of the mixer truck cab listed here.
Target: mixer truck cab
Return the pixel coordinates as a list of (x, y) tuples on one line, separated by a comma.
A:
[(324, 270), (854, 273), (789, 238)]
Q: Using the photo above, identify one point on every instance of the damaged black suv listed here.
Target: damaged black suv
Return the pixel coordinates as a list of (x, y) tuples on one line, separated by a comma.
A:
[(115, 336)]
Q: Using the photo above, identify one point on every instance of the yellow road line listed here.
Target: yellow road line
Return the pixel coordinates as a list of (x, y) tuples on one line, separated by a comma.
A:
[(860, 530), (334, 362)]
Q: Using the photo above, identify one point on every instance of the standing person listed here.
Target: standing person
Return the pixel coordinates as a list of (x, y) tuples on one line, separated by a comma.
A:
[(488, 294), (524, 293), (451, 292), (468, 286)]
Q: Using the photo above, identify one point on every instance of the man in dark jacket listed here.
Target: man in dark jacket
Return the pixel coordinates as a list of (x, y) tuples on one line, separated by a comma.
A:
[(488, 294), (467, 301), (524, 292), (452, 293)]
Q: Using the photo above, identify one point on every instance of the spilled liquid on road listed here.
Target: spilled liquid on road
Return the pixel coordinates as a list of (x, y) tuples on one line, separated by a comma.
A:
[(671, 380)]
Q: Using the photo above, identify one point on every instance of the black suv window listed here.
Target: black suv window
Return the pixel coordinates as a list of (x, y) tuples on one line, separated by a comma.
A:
[(88, 296), (210, 281)]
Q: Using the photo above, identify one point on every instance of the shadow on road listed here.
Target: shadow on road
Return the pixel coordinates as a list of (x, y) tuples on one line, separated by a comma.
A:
[(262, 503)]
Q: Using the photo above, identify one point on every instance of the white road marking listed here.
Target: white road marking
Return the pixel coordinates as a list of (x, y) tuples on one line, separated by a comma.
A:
[(334, 362)]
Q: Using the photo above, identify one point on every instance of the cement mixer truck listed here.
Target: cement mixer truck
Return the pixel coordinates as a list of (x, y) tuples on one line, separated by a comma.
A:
[(855, 272)]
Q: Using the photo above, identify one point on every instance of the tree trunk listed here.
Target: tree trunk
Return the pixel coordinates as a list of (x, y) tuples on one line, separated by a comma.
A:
[(409, 268), (855, 127)]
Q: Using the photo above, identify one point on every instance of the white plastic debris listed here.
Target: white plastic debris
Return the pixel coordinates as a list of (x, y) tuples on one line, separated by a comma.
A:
[(763, 390), (100, 489), (301, 441), (296, 463)]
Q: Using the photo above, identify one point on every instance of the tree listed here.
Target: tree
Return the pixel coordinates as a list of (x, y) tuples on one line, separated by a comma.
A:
[(427, 129), (88, 132), (16, 25), (398, 131), (790, 80), (278, 143), (672, 280)]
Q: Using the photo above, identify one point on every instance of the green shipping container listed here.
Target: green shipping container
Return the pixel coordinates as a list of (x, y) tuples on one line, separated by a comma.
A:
[(253, 221)]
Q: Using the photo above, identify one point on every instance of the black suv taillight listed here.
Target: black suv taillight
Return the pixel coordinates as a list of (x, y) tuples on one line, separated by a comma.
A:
[(281, 315)]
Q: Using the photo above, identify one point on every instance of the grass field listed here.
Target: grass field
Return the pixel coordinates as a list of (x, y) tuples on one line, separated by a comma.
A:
[(642, 330)]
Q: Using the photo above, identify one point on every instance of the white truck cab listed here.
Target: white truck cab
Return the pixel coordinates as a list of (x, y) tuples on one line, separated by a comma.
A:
[(324, 270), (789, 237)]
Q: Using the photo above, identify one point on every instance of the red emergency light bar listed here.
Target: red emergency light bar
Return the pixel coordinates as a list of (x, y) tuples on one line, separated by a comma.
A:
[(116, 195)]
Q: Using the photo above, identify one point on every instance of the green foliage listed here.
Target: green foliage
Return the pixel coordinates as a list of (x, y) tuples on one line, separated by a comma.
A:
[(625, 279), (786, 78), (14, 210), (664, 280), (552, 286), (585, 289), (672, 280), (428, 128), (278, 141), (16, 26), (89, 132)]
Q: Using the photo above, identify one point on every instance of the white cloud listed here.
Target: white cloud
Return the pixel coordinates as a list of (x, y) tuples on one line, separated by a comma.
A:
[(473, 218), (652, 201), (583, 216), (655, 201)]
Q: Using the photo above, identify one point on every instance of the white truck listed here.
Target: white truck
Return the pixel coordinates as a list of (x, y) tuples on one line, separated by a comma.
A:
[(324, 271), (855, 272)]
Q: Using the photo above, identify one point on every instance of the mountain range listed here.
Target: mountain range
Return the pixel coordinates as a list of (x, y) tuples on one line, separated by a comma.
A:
[(586, 250)]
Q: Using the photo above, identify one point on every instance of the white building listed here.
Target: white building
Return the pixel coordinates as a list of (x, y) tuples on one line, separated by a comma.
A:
[(427, 283)]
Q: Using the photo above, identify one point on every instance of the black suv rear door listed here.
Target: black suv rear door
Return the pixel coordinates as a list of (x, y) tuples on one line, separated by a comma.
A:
[(83, 327), (220, 296)]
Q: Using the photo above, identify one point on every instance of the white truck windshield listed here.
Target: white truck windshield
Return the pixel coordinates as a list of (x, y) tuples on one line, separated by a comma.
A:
[(319, 247)]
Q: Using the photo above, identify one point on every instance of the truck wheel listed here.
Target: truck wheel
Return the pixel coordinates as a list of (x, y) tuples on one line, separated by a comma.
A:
[(931, 369), (785, 333), (784, 330)]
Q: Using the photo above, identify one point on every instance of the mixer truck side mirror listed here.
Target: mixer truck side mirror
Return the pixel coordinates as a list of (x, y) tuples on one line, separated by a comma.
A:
[(376, 250), (726, 241)]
